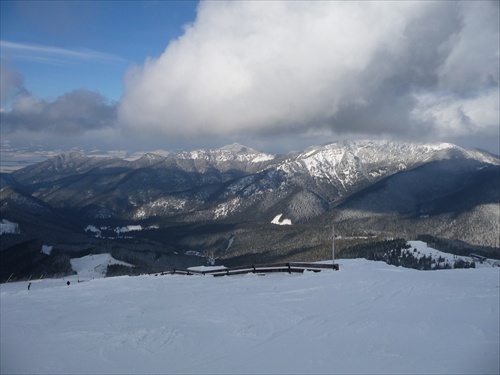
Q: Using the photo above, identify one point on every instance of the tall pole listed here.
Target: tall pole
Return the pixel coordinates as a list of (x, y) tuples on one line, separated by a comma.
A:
[(333, 247)]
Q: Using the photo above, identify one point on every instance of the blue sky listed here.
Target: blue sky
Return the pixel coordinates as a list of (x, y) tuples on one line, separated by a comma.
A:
[(110, 35), (276, 76)]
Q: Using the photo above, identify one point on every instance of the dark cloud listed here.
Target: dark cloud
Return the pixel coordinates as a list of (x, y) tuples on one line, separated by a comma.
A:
[(74, 113)]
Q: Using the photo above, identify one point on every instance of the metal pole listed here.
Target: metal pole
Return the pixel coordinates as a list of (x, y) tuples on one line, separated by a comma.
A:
[(333, 247)]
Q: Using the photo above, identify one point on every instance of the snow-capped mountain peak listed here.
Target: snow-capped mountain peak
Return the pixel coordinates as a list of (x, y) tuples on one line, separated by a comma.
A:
[(230, 153), (372, 158), (148, 159)]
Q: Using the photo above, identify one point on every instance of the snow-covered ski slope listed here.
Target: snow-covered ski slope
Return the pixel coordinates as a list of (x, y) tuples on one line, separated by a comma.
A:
[(368, 317), (94, 265)]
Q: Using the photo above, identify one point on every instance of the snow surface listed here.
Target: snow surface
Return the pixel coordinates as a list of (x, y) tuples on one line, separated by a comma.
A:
[(277, 220), (97, 231), (368, 317), (232, 152), (94, 265), (8, 227), (46, 249)]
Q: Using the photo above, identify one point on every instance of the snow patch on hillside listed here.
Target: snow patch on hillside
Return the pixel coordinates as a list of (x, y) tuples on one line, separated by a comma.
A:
[(230, 242), (94, 266), (93, 229), (46, 249), (114, 232), (8, 227), (421, 249), (224, 209), (128, 228), (277, 220), (262, 157)]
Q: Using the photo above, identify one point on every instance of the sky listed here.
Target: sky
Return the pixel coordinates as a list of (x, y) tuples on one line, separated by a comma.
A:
[(277, 76)]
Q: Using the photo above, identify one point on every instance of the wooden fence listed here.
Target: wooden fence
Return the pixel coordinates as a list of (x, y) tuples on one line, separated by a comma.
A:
[(291, 267)]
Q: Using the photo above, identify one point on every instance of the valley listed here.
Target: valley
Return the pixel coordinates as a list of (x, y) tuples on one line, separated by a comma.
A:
[(178, 209)]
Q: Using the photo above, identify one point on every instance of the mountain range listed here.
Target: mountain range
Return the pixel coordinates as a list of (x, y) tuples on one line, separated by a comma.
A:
[(241, 205)]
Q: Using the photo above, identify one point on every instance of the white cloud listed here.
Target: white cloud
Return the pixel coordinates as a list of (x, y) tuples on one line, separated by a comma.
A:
[(457, 117), (283, 75), (260, 68), (55, 54), (253, 68), (246, 66)]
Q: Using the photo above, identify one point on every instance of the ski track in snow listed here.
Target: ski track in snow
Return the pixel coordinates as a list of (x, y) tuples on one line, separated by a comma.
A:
[(368, 317)]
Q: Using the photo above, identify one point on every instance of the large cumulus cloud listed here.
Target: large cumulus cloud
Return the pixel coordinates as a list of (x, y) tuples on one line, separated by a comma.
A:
[(397, 68)]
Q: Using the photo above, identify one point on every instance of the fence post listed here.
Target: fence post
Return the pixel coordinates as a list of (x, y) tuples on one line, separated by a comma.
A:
[(333, 247)]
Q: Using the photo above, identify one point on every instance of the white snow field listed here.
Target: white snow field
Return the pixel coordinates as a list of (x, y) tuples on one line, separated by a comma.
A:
[(94, 265), (368, 317)]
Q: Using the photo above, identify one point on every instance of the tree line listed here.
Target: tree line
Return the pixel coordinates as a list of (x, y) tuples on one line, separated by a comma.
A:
[(398, 252)]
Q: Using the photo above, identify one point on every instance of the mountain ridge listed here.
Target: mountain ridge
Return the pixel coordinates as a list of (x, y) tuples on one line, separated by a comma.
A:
[(385, 188), (331, 172)]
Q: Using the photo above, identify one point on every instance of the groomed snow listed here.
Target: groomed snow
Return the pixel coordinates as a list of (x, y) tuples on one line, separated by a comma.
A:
[(368, 317)]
